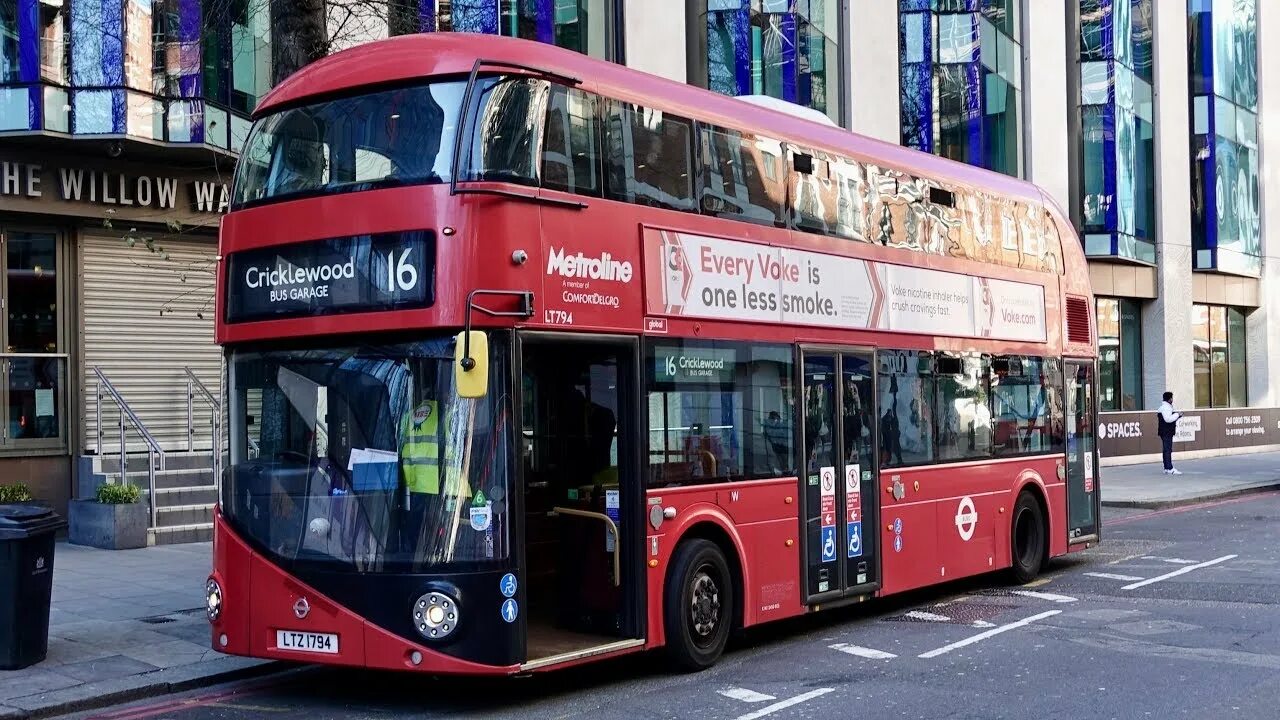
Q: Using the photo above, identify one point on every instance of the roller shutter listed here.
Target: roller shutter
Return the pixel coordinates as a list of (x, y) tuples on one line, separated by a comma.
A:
[(141, 350)]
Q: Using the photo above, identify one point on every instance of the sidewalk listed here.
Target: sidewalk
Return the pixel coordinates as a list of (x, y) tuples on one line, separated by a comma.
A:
[(1146, 486), (124, 625)]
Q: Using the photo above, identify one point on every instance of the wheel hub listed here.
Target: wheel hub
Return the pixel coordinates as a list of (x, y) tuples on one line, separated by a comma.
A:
[(704, 603)]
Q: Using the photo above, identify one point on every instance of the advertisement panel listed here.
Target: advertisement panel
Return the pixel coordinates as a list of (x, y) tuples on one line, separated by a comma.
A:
[(1123, 434), (704, 277)]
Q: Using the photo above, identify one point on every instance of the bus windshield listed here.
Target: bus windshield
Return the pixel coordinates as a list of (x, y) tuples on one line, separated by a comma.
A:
[(364, 458), (392, 137)]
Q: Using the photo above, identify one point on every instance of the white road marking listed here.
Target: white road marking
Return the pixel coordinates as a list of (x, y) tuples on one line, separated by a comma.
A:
[(931, 617), (869, 653), (784, 704), (1175, 561), (990, 633), (983, 624), (745, 695), (1114, 576), (1179, 571), (1045, 596)]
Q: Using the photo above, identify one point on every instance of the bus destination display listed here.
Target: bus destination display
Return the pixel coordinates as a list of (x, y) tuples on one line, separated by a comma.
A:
[(392, 271)]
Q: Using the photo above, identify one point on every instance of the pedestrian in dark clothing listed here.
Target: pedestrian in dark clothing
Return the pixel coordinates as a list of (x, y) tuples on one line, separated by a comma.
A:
[(1168, 426)]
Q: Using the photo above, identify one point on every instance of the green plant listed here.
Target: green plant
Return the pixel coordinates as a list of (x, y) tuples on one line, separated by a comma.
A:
[(14, 493), (121, 494)]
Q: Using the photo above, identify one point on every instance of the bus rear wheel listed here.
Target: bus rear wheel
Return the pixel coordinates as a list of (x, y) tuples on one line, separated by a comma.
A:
[(698, 605), (1029, 541)]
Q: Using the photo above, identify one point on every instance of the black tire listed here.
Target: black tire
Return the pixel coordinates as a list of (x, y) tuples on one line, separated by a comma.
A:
[(1029, 539), (698, 605)]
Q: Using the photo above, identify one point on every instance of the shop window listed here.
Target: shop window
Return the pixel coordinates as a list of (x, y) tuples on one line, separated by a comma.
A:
[(32, 366), (1119, 354), (1220, 361)]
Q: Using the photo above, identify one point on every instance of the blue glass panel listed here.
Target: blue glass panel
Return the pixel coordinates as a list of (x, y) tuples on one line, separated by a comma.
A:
[(787, 36), (960, 76), (93, 112), (478, 16), (190, 79), (545, 20), (15, 111), (28, 41), (427, 15)]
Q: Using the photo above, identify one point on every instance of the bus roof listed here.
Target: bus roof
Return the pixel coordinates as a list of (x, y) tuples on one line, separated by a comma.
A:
[(419, 56)]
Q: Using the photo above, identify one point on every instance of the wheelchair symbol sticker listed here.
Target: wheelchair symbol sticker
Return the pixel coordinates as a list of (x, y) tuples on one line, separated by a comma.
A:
[(828, 544), (855, 539), (508, 585)]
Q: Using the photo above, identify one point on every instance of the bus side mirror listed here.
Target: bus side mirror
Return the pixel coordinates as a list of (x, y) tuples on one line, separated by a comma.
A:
[(471, 364)]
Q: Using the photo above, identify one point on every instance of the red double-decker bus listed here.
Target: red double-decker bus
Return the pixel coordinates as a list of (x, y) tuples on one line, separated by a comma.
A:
[(534, 359)]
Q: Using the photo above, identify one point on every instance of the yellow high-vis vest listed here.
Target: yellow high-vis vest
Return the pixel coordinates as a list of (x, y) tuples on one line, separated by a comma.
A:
[(420, 439)]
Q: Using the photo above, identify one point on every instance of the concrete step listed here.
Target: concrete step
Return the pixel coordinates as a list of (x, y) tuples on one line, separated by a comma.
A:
[(168, 479), (110, 464), (206, 495), (179, 534), (184, 515)]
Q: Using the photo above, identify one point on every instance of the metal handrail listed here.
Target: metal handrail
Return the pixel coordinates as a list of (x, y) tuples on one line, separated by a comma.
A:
[(153, 446), (194, 385), (610, 525)]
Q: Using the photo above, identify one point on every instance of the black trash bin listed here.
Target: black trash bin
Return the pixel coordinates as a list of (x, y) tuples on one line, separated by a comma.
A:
[(26, 582)]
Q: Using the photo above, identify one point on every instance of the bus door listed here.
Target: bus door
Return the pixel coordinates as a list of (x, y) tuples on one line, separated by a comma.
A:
[(580, 466), (840, 500), (1083, 494)]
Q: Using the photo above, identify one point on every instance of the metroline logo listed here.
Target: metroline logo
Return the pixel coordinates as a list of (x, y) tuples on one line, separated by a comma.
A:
[(603, 267)]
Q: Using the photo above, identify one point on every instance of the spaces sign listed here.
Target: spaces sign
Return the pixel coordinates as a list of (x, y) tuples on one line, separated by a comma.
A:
[(1134, 433)]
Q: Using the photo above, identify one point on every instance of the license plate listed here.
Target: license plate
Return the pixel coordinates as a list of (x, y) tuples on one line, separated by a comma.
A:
[(326, 643)]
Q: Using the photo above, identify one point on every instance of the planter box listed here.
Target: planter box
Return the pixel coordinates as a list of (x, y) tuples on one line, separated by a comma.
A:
[(110, 527)]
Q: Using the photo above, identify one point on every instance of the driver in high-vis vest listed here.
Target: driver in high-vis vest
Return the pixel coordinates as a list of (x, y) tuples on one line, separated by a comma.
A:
[(432, 477), (421, 435)]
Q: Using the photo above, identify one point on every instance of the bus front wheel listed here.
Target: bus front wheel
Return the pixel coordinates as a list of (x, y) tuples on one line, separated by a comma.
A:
[(1029, 539), (698, 604)]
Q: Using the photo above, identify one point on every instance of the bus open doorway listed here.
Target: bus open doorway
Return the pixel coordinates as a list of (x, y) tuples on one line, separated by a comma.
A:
[(581, 485)]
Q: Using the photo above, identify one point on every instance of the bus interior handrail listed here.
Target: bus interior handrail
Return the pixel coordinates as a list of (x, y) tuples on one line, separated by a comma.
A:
[(612, 527)]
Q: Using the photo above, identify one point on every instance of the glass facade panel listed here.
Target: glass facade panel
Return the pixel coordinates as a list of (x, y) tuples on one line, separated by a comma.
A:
[(786, 50), (135, 68), (961, 79), (1119, 354), (586, 26), (1117, 128), (1225, 210), (1221, 363), (1237, 369)]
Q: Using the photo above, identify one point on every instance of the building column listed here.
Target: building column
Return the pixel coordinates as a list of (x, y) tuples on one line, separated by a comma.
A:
[(871, 52), (655, 32), (1166, 322), (1263, 328), (1045, 62)]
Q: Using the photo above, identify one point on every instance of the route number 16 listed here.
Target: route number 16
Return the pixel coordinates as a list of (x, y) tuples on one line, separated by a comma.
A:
[(401, 273)]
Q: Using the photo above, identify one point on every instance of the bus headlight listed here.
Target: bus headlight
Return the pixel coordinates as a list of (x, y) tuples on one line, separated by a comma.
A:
[(213, 599), (435, 615)]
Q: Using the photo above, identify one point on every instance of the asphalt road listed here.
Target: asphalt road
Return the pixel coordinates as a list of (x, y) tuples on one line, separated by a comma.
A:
[(1176, 615)]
